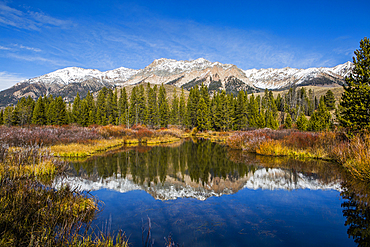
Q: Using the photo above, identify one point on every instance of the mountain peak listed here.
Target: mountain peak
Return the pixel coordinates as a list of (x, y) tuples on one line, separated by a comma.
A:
[(218, 76)]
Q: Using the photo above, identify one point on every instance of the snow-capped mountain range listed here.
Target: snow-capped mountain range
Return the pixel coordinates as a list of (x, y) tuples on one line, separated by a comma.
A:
[(266, 179), (67, 82)]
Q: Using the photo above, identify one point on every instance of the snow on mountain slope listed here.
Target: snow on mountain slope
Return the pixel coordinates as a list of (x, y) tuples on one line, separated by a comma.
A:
[(171, 189), (169, 70), (75, 74), (279, 78), (273, 179), (171, 66)]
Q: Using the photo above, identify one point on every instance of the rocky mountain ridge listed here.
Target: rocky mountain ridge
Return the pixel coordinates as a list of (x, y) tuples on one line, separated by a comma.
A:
[(67, 82)]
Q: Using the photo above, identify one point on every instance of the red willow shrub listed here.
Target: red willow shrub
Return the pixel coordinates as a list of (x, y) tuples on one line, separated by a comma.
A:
[(110, 131), (168, 132), (250, 140), (143, 132), (48, 135), (302, 139)]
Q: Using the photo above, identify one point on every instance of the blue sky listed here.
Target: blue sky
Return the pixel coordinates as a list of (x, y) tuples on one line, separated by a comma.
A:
[(38, 37)]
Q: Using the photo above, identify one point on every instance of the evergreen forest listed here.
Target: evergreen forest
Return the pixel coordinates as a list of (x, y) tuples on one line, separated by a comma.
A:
[(153, 107)]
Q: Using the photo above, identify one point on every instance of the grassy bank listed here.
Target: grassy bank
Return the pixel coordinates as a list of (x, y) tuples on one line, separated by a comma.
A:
[(353, 154), (33, 213), (74, 141)]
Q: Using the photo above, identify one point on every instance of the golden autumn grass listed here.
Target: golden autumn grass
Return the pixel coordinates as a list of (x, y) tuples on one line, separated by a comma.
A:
[(353, 154), (116, 137), (33, 213), (87, 149)]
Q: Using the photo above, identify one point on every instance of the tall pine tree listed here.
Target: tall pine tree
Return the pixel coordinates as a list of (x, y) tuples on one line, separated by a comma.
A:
[(163, 108), (39, 114), (175, 114), (182, 108), (355, 101), (123, 107)]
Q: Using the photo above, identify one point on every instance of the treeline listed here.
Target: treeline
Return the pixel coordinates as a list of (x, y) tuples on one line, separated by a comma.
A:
[(150, 106)]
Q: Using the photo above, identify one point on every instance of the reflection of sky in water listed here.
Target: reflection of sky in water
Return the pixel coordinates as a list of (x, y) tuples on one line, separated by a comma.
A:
[(249, 217)]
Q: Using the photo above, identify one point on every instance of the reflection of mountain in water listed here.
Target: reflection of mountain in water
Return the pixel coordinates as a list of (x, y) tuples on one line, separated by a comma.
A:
[(174, 188), (276, 178)]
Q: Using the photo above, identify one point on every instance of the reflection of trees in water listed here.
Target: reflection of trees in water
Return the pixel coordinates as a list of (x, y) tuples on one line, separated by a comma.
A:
[(320, 170), (356, 209), (201, 161)]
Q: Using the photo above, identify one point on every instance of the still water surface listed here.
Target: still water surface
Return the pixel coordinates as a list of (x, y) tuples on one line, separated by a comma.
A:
[(205, 194)]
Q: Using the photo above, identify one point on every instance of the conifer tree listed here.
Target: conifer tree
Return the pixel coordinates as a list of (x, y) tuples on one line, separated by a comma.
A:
[(217, 111), (192, 107), (8, 115), (202, 115), (278, 102), (302, 122), (240, 112), (61, 111), (123, 107), (84, 115), (21, 112), (152, 106), (252, 112), (175, 114), (15, 116), (163, 107), (329, 100), (134, 114), (230, 108), (115, 107), (90, 108), (205, 94), (223, 111), (52, 112), (30, 107), (260, 119), (320, 119), (271, 113), (101, 111), (182, 108), (39, 114), (47, 101), (1, 117), (109, 107), (355, 101), (76, 109), (311, 100), (142, 107), (288, 121)]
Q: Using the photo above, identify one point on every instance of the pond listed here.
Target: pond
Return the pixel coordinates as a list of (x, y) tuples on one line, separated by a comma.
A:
[(201, 193)]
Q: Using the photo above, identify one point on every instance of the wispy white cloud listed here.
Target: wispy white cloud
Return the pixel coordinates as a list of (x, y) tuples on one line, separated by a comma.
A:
[(29, 20), (4, 48), (189, 40), (15, 47), (30, 58), (28, 48), (8, 80)]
